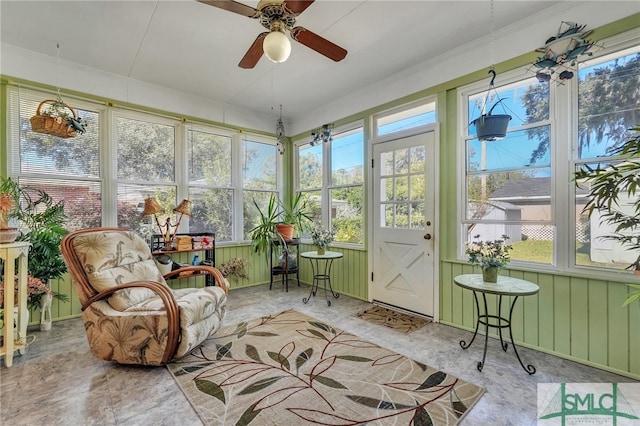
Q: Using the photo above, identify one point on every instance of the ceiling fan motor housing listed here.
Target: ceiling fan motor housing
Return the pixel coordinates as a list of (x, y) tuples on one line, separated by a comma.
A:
[(271, 12)]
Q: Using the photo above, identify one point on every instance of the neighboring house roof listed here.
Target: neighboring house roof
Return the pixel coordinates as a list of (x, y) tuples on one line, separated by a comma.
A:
[(528, 188)]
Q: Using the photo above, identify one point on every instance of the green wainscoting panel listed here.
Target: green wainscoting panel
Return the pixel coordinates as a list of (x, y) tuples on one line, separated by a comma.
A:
[(633, 337), (598, 310), (579, 311), (257, 269), (576, 318), (546, 311), (618, 331), (562, 314), (348, 274)]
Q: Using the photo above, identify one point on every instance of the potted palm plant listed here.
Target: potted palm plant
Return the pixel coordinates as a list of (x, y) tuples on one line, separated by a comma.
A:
[(279, 222), (42, 225)]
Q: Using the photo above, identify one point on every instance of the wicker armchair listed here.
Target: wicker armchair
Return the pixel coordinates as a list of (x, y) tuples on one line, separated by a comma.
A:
[(131, 315)]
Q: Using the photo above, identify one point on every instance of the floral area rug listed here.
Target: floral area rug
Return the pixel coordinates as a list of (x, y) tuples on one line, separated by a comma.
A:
[(291, 369), (392, 319)]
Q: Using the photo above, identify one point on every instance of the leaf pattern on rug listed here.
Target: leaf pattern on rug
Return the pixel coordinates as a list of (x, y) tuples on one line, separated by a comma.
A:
[(289, 368)]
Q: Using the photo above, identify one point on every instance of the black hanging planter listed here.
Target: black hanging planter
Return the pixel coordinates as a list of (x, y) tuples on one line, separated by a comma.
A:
[(491, 127)]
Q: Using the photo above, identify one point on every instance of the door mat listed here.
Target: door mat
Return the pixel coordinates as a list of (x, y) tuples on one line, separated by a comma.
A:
[(291, 369), (392, 319)]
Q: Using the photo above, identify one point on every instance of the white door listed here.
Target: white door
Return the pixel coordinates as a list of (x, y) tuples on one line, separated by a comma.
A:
[(404, 180)]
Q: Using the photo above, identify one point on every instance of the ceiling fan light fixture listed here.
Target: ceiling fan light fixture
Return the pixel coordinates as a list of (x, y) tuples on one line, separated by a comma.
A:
[(276, 46)]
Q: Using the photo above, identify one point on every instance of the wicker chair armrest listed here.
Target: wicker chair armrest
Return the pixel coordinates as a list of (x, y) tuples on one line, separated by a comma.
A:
[(200, 269)]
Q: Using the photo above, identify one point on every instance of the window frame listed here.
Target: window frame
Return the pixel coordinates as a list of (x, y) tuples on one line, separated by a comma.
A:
[(405, 107), (327, 184), (107, 153), (563, 118)]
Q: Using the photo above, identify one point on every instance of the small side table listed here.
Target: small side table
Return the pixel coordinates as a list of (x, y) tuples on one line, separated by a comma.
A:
[(506, 286), (9, 253), (325, 276)]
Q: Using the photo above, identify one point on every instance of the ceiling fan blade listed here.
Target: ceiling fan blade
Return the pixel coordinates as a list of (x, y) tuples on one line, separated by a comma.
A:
[(297, 6), (233, 6), (319, 44), (254, 53)]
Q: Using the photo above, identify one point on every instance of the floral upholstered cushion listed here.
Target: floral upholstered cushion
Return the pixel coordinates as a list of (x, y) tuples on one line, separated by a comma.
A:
[(124, 299), (201, 312), (111, 258)]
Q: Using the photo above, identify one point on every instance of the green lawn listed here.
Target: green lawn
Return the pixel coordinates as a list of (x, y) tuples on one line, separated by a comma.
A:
[(542, 252)]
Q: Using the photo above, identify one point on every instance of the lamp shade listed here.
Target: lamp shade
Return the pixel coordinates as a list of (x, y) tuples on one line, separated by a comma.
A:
[(183, 208), (276, 46), (151, 206)]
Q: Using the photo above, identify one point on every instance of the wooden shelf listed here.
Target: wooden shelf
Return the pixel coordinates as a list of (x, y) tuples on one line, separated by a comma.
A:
[(209, 253)]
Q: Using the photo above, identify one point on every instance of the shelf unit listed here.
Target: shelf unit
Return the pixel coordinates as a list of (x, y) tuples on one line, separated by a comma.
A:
[(12, 255), (157, 247), (284, 270)]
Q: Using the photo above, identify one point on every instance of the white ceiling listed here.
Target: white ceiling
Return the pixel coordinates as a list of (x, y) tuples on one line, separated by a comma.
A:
[(194, 48)]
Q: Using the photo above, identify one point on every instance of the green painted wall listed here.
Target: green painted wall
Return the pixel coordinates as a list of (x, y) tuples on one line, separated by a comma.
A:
[(579, 319), (573, 317)]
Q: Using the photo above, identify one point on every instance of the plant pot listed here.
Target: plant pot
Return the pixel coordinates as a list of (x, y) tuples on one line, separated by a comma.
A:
[(490, 274), (491, 127), (8, 235), (285, 230), (320, 250)]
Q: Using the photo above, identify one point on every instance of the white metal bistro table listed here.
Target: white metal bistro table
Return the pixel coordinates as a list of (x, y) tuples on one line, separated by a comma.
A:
[(319, 274), (506, 286)]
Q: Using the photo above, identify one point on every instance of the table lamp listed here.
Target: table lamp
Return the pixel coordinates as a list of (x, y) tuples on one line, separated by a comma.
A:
[(152, 207)]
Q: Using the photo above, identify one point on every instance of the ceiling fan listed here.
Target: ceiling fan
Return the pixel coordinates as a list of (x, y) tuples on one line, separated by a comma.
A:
[(276, 16)]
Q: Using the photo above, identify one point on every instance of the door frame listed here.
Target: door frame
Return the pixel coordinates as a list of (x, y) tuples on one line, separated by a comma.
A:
[(435, 128)]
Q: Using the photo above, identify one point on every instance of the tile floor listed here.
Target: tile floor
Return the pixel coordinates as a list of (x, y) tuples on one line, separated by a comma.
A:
[(58, 382)]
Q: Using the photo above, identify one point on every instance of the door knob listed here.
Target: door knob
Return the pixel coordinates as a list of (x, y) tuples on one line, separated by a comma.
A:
[(427, 236)]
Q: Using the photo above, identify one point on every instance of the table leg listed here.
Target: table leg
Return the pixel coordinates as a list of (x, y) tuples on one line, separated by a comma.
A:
[(314, 285), (327, 278), (486, 334), (463, 344), (504, 345), (529, 368)]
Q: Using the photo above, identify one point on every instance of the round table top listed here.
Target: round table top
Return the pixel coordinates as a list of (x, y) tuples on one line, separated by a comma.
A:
[(508, 286), (327, 255)]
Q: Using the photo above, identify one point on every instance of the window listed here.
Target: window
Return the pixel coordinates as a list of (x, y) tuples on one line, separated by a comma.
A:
[(339, 192), (259, 179), (523, 185), (608, 100), (125, 156), (209, 160), (67, 169), (508, 181), (145, 166), (416, 114)]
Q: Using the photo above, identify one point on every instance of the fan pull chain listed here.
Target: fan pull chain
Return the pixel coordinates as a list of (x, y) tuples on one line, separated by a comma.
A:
[(58, 65)]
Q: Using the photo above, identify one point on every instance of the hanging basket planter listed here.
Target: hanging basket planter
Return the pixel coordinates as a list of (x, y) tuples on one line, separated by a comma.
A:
[(491, 127), (58, 119)]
